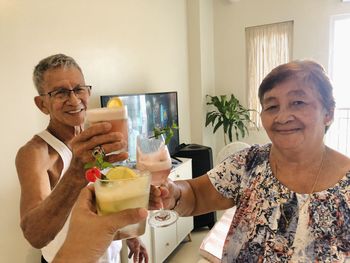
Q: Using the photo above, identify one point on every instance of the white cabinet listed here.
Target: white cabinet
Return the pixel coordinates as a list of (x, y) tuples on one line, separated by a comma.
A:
[(160, 242), (164, 241)]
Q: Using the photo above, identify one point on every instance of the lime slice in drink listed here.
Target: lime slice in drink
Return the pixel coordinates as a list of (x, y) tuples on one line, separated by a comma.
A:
[(120, 172), (114, 102)]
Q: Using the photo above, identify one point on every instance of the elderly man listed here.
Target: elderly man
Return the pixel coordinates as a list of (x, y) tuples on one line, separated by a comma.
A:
[(50, 166)]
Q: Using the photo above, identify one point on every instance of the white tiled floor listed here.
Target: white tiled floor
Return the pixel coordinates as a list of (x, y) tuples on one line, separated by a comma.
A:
[(188, 251)]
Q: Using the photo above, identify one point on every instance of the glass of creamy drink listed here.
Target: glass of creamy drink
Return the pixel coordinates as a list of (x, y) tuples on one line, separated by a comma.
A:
[(116, 115), (123, 188), (152, 155)]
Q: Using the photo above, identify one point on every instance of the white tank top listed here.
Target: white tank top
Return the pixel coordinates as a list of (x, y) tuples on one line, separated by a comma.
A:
[(112, 254)]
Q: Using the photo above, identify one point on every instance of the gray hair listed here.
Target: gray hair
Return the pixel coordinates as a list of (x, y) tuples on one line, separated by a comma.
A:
[(305, 71), (51, 62)]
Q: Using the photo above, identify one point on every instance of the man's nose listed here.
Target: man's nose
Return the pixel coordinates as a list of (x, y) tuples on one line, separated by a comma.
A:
[(73, 98)]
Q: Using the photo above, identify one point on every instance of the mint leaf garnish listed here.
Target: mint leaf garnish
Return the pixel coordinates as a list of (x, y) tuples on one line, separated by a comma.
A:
[(168, 132), (105, 165), (98, 163)]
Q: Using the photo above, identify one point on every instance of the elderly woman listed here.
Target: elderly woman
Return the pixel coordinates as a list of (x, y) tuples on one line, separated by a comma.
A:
[(292, 195)]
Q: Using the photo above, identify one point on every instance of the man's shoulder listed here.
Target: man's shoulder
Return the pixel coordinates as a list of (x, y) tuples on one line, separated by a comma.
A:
[(34, 146), (35, 143)]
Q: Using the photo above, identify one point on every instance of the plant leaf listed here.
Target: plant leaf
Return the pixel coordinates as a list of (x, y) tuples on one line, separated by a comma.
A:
[(89, 165), (229, 114), (105, 165), (168, 131), (230, 133), (217, 126)]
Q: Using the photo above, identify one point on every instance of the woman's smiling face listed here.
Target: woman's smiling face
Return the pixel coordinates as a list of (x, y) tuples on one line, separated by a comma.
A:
[(293, 115)]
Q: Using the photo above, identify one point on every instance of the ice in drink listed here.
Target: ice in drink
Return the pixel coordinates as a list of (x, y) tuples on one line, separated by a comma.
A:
[(118, 117), (158, 163), (115, 195)]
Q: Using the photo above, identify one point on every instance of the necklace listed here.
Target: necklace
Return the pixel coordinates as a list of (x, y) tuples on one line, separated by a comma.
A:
[(288, 221)]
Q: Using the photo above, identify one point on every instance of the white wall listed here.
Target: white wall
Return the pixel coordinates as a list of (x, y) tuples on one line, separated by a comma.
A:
[(123, 46), (311, 39), (201, 66)]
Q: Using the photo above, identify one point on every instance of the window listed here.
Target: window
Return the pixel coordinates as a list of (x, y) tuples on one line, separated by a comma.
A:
[(267, 47), (338, 136)]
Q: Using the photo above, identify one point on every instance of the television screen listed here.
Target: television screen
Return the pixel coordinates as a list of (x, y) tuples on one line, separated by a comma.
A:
[(146, 111)]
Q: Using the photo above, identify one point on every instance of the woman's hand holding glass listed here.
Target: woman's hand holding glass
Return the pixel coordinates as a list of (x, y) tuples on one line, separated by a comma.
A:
[(163, 196), (152, 154)]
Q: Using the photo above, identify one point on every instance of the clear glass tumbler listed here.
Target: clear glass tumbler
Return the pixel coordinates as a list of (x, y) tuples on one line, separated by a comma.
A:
[(119, 194)]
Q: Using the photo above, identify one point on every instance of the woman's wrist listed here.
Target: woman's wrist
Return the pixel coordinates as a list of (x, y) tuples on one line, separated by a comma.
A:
[(177, 199), (65, 255), (73, 252)]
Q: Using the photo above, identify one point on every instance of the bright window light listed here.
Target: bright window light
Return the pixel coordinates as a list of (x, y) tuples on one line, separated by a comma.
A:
[(338, 136), (341, 61)]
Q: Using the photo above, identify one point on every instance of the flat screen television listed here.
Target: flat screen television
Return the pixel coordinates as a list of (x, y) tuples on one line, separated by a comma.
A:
[(146, 111)]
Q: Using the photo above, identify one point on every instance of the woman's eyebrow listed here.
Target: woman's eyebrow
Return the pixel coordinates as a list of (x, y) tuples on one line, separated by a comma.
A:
[(298, 92), (269, 99)]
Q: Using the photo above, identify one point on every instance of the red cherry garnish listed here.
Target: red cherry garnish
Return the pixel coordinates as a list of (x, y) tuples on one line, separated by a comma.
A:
[(92, 174)]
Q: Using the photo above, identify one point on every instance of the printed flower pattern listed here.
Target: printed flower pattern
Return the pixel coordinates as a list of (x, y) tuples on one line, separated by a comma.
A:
[(266, 223)]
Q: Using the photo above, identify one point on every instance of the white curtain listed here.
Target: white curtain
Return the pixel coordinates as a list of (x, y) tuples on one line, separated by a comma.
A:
[(267, 47)]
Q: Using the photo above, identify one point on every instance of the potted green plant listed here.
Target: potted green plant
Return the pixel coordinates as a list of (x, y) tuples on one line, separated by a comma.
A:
[(230, 114)]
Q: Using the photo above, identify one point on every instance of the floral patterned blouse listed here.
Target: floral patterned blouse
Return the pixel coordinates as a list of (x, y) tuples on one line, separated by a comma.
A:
[(273, 223)]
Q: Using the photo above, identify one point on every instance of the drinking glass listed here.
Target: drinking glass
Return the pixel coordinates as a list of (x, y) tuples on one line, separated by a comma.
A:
[(114, 195), (118, 117), (152, 155)]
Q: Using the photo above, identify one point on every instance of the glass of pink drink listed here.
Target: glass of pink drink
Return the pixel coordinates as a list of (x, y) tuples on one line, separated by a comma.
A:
[(118, 117), (152, 155)]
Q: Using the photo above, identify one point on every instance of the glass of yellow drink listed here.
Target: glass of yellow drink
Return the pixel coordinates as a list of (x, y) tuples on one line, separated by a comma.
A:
[(125, 188)]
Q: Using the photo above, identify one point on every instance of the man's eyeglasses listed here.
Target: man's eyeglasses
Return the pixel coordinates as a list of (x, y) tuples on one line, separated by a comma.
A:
[(63, 94)]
